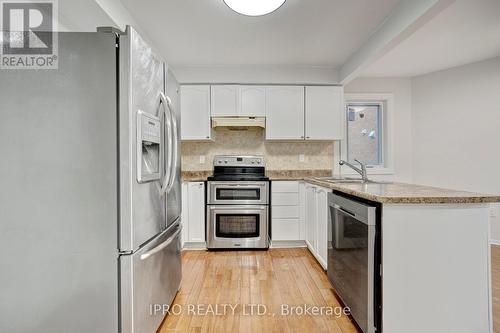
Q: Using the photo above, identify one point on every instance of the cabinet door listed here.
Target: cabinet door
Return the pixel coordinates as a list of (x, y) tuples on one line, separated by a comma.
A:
[(253, 101), (311, 228), (225, 101), (196, 207), (322, 220), (195, 112), (323, 113), (284, 113)]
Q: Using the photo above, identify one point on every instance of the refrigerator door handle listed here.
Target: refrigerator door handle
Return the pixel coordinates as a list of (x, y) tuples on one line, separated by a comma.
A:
[(175, 144), (167, 120), (162, 245)]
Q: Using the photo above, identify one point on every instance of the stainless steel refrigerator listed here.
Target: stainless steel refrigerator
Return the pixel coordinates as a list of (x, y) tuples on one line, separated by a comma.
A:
[(89, 188)]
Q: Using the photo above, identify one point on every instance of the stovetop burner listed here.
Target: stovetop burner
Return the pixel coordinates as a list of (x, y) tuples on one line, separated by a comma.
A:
[(237, 178), (238, 168)]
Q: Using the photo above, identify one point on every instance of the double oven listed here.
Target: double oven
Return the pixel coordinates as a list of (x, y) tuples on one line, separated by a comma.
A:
[(238, 204)]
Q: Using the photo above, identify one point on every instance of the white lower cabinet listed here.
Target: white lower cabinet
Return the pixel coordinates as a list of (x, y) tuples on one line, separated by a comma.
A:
[(286, 221), (193, 214), (311, 220), (322, 223), (299, 212), (316, 221)]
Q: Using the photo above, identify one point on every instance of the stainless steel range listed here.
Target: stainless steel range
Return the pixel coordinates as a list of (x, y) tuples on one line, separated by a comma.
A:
[(238, 204)]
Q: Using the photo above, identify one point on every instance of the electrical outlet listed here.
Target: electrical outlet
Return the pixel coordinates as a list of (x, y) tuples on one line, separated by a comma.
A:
[(302, 157), (202, 159), (493, 211)]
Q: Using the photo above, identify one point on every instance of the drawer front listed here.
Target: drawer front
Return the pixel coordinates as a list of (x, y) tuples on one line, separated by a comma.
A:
[(285, 186), (285, 212), (285, 199), (285, 229)]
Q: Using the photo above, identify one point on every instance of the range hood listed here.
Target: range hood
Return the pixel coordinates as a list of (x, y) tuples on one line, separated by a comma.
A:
[(238, 122)]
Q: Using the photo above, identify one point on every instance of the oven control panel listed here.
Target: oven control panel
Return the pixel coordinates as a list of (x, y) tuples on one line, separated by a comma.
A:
[(239, 161)]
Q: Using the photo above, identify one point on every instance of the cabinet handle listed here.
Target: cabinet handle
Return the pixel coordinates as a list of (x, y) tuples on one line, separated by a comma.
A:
[(302, 137), (208, 137), (308, 137)]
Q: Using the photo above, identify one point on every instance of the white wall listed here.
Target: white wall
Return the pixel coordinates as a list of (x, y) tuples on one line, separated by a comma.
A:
[(400, 88), (456, 129)]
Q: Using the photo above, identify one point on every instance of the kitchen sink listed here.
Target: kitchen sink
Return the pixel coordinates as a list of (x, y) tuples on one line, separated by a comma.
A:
[(352, 180)]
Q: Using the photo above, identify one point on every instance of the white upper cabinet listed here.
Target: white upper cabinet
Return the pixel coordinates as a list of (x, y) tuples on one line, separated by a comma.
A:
[(285, 113), (292, 112), (225, 100), (252, 101), (235, 100), (195, 112), (323, 113)]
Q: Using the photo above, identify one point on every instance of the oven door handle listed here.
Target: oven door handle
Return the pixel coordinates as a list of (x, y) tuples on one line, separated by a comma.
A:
[(239, 185), (237, 207)]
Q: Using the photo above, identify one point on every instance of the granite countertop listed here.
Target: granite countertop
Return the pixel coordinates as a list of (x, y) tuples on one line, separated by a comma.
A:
[(199, 176), (388, 193), (195, 176), (296, 174), (401, 193)]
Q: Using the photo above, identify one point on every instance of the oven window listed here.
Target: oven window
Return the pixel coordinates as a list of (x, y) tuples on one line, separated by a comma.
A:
[(237, 225), (237, 194)]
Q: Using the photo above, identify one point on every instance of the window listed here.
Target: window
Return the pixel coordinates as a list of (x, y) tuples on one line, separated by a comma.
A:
[(364, 133), (368, 133)]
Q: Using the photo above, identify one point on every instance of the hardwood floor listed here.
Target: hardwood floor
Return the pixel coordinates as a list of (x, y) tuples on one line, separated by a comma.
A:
[(241, 278), (495, 284), (270, 278)]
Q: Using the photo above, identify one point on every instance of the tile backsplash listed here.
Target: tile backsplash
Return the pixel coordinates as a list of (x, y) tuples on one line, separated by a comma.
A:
[(318, 155)]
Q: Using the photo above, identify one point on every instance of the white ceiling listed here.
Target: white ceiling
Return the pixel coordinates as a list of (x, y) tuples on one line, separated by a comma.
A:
[(316, 33), (466, 32)]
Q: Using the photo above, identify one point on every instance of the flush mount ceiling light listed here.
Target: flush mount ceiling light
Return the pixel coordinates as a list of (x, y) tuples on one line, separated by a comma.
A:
[(254, 7)]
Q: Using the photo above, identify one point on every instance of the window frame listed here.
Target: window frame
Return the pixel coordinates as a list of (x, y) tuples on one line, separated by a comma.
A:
[(387, 101)]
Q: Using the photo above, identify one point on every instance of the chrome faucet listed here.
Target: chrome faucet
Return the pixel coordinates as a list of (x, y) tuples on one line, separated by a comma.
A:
[(361, 171)]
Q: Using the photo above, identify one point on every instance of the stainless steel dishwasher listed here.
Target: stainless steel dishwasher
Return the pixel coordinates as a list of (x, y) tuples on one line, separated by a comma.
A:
[(351, 257)]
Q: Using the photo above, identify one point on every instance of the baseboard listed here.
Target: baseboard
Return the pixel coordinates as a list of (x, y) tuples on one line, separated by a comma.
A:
[(494, 242), (276, 244), (194, 246)]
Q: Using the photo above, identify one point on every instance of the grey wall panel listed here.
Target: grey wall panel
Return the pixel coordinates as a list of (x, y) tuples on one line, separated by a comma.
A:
[(58, 192)]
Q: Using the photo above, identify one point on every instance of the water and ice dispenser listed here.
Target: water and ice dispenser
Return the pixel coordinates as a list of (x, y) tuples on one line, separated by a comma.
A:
[(148, 147)]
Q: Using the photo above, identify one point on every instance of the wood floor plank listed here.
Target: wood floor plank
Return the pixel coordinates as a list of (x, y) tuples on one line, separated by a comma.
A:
[(495, 284), (271, 278)]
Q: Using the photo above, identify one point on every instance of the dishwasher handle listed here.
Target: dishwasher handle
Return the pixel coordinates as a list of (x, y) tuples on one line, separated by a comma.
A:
[(345, 211)]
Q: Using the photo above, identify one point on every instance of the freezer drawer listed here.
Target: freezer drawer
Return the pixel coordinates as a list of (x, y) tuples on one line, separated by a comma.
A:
[(150, 276)]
